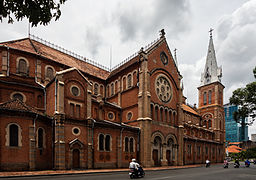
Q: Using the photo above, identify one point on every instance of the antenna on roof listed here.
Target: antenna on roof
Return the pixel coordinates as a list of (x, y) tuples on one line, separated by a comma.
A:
[(110, 58)]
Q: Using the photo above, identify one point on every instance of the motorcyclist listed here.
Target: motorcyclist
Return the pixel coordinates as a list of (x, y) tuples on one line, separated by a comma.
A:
[(247, 163), (134, 166), (237, 162), (225, 163), (207, 163)]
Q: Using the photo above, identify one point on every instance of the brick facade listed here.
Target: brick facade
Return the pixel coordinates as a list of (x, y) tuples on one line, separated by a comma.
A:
[(95, 118)]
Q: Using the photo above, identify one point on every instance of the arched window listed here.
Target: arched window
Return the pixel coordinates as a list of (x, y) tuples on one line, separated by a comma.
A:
[(49, 73), (161, 114), (13, 135), (96, 89), (151, 110), (126, 144), (165, 115), (40, 138), (18, 96), (124, 83), (210, 97), (107, 143), (131, 144), (156, 113), (101, 142), (170, 117), (129, 81), (174, 118), (22, 66), (112, 89), (205, 98), (209, 123)]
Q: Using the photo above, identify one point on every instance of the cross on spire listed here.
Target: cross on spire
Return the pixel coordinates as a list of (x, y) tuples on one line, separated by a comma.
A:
[(211, 32)]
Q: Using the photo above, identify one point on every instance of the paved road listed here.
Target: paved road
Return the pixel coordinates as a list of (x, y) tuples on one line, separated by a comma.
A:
[(212, 173)]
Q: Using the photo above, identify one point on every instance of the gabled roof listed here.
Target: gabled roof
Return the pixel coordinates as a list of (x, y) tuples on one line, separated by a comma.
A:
[(18, 105), (74, 69), (37, 48), (189, 109)]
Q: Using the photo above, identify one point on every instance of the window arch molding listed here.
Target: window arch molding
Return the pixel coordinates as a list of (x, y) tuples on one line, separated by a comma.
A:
[(124, 83), (17, 92), (78, 88), (7, 136), (102, 142), (45, 72), (129, 81), (96, 88), (18, 70), (40, 143)]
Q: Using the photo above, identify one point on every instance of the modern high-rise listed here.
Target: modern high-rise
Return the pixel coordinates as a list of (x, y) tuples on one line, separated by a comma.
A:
[(234, 131)]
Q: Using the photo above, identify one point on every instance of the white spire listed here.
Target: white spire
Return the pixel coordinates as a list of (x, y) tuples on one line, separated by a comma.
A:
[(212, 73)]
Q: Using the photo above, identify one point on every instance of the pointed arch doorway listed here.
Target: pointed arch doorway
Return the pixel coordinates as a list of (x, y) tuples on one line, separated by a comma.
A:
[(76, 159)]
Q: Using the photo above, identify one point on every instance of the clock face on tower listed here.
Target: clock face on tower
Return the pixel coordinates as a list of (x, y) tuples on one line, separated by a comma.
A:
[(163, 88)]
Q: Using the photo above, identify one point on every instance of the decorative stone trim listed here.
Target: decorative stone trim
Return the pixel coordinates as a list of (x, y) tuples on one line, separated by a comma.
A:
[(7, 136), (75, 86), (111, 116), (17, 92), (76, 131)]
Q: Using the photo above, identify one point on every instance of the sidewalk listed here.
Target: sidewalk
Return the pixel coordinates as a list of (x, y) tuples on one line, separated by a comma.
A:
[(87, 171)]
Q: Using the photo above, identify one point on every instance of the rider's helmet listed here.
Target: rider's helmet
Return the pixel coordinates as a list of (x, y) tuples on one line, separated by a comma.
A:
[(133, 160)]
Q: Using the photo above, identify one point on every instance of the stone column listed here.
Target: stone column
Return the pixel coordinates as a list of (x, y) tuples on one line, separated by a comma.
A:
[(144, 111), (180, 147), (164, 160), (59, 146), (32, 148)]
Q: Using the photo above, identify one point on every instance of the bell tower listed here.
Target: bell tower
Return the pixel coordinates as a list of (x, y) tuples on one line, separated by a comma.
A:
[(210, 95)]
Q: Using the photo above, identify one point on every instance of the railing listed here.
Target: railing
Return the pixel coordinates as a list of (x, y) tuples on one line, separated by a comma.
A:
[(70, 53), (77, 56)]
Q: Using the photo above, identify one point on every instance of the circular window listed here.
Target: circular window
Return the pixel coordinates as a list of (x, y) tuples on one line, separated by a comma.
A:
[(163, 88), (111, 116), (129, 116), (18, 96), (76, 131), (164, 58), (75, 91)]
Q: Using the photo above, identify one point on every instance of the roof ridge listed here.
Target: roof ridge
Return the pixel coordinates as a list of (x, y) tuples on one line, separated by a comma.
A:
[(69, 53), (13, 41)]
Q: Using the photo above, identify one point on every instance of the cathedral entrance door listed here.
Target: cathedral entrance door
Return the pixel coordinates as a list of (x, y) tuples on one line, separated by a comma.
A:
[(155, 157), (168, 157), (76, 158)]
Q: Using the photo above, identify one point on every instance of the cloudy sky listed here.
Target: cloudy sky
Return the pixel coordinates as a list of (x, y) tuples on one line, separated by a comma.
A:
[(92, 28)]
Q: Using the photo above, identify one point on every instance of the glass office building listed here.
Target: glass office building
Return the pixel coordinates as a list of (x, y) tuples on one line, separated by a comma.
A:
[(233, 129)]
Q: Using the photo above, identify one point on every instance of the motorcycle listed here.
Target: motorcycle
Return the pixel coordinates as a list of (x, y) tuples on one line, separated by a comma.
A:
[(225, 165), (139, 174), (247, 164), (236, 165), (207, 165)]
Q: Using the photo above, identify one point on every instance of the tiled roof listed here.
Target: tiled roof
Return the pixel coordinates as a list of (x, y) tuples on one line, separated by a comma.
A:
[(233, 149), (189, 109), (35, 47), (18, 105)]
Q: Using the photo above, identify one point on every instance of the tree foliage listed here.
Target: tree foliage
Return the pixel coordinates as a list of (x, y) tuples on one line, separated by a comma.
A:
[(245, 99), (37, 11)]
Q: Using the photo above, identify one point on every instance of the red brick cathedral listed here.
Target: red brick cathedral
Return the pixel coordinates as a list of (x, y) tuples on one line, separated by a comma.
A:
[(59, 110)]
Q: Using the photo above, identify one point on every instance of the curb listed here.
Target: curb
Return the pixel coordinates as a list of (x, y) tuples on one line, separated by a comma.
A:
[(96, 172)]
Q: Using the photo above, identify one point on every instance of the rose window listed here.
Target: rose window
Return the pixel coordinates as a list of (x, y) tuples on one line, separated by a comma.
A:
[(163, 88)]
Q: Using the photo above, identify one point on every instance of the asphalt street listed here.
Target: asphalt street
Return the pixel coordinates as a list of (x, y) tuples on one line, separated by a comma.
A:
[(214, 172)]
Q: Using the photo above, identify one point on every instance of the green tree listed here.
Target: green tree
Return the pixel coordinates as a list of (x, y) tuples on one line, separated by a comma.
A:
[(245, 99), (37, 11)]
